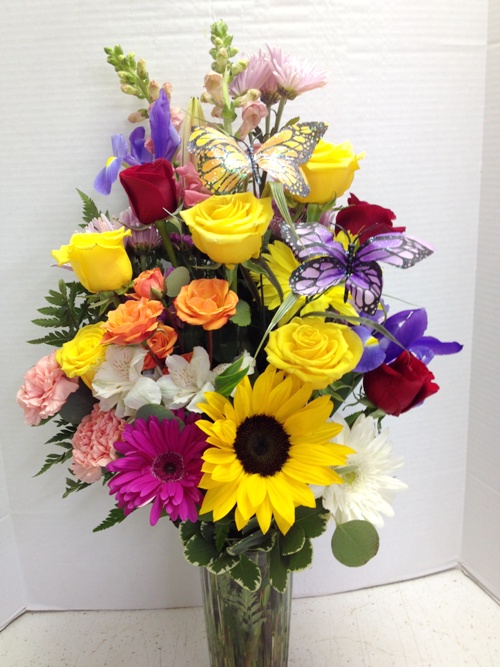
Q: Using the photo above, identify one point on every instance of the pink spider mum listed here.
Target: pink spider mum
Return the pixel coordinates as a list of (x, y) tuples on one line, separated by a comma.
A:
[(293, 75), (161, 464)]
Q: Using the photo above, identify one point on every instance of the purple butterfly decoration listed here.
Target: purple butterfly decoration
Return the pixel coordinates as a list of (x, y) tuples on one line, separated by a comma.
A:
[(325, 262)]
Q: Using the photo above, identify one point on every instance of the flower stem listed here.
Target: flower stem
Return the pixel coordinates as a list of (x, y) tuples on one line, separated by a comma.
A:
[(161, 226)]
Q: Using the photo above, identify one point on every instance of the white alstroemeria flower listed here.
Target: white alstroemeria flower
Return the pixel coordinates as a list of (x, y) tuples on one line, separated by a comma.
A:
[(187, 381), (369, 482), (143, 392), (117, 376)]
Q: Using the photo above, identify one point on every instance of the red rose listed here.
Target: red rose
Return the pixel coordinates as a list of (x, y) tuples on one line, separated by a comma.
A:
[(365, 220), (151, 191), (399, 386)]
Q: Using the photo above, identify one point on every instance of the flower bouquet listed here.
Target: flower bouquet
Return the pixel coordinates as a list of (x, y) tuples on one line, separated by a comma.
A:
[(223, 353)]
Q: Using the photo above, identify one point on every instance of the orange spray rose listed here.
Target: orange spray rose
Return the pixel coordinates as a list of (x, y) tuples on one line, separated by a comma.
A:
[(132, 322), (206, 302)]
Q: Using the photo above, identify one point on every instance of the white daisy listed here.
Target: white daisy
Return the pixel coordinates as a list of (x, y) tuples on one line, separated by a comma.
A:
[(369, 482)]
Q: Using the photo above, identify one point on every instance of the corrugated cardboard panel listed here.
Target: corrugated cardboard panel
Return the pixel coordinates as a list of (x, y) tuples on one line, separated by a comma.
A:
[(481, 539), (406, 86)]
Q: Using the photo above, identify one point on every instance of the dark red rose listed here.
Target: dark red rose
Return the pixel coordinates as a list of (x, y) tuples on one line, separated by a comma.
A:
[(365, 220), (399, 386), (150, 189)]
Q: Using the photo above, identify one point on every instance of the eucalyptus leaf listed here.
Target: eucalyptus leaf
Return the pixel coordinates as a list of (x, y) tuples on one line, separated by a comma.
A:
[(158, 411), (176, 280), (354, 543), (242, 317)]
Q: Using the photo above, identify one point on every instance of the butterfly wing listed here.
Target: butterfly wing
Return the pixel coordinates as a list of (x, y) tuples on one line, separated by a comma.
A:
[(365, 286), (222, 163), (310, 240), (315, 276), (282, 154), (396, 249)]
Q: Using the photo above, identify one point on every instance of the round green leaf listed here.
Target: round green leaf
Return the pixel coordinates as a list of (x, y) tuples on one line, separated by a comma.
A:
[(354, 543), (177, 279)]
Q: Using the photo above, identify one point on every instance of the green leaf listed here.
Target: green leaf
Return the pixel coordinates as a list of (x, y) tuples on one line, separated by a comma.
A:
[(354, 543), (230, 377), (221, 531), (90, 210), (293, 541), (74, 485), (252, 541), (53, 459), (224, 563), (200, 552), (302, 559), (187, 529), (313, 520), (54, 339), (278, 568), (242, 317), (78, 405), (246, 573), (115, 516), (47, 322), (177, 279), (158, 411)]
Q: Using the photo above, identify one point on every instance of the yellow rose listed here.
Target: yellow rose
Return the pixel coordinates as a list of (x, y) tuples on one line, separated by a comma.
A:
[(99, 260), (83, 355), (315, 351), (229, 228), (329, 171)]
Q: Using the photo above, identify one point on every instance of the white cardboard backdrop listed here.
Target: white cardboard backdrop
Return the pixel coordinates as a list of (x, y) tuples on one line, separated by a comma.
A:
[(406, 86)]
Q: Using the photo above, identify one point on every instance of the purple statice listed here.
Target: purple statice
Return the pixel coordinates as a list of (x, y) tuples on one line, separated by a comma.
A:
[(160, 464)]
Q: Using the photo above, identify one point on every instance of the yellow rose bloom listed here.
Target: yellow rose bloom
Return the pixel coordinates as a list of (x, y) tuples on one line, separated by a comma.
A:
[(329, 171), (99, 260), (83, 355), (229, 228), (315, 351)]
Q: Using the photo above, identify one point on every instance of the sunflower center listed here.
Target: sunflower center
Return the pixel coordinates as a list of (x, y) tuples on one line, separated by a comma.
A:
[(168, 467), (261, 445)]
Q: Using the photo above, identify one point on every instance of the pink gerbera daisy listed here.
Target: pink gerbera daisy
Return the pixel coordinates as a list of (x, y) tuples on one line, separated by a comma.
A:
[(161, 464)]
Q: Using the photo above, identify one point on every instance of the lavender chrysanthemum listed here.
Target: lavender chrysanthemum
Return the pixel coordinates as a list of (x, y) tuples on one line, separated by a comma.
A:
[(161, 464)]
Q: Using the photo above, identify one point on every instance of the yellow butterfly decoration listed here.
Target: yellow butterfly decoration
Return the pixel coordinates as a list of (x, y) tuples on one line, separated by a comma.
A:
[(223, 163)]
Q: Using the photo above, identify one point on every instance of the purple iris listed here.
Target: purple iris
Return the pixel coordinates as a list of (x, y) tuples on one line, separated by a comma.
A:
[(165, 140), (408, 327)]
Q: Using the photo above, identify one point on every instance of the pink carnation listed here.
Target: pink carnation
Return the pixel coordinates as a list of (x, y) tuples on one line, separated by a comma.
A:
[(94, 443), (45, 390)]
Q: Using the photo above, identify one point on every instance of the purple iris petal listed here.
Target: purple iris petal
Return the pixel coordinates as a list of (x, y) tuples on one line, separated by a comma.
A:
[(409, 327), (373, 354), (108, 175), (426, 347), (139, 154), (166, 141)]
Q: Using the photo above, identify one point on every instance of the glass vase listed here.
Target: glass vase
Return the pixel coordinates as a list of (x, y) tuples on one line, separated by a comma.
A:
[(246, 629)]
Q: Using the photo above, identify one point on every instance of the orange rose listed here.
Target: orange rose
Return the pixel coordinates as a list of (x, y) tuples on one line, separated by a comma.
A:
[(161, 345), (207, 302), (132, 322), (146, 281)]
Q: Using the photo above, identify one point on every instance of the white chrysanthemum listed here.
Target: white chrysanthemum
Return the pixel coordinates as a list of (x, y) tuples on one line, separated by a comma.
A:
[(369, 482)]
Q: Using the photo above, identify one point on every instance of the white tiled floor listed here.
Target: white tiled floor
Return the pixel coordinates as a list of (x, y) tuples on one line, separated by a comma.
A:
[(444, 620)]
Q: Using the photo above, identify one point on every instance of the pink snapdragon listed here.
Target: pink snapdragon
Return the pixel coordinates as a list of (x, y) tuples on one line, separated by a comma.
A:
[(251, 115), (93, 443), (189, 186), (45, 390)]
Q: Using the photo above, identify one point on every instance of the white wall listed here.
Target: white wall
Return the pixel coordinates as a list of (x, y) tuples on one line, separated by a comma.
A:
[(407, 87), (481, 543)]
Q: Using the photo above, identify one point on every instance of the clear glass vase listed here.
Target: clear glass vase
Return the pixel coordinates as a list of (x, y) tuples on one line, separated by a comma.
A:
[(246, 629)]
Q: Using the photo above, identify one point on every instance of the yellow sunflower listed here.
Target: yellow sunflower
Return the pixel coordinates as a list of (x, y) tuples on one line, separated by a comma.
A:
[(282, 263), (267, 447)]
